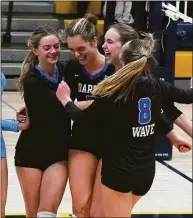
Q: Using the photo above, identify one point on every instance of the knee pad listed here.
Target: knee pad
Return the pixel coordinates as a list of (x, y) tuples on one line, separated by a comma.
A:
[(46, 214)]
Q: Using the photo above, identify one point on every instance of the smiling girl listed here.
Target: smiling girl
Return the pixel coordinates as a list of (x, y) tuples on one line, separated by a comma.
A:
[(42, 150), (83, 73)]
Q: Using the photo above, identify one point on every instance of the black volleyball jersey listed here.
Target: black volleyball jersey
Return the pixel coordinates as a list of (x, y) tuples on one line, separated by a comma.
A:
[(82, 82), (50, 127), (128, 126)]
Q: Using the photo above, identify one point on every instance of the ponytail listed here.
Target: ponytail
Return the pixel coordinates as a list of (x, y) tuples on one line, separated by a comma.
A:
[(135, 55), (92, 18), (28, 63), (123, 81)]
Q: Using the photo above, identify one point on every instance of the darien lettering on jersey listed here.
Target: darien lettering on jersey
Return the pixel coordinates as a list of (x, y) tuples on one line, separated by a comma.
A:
[(88, 88), (84, 82), (144, 118), (85, 88)]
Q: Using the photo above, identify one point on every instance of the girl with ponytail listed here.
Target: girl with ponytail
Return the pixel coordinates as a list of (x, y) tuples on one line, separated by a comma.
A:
[(28, 63), (116, 36), (78, 36), (135, 60), (83, 73), (87, 68), (81, 37), (127, 108), (42, 150), (7, 125)]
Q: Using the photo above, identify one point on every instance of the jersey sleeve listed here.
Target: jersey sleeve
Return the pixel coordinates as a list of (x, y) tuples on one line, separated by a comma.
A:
[(73, 111), (163, 125), (9, 125), (171, 93), (170, 110)]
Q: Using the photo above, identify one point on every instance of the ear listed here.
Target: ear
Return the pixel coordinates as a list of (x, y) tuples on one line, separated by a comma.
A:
[(35, 51), (95, 42)]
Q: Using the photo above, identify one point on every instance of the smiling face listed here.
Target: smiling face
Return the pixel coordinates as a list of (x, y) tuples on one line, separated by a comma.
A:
[(82, 50), (48, 50), (112, 46)]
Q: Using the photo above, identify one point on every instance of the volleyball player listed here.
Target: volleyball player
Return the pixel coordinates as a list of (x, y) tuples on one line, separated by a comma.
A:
[(42, 150), (128, 105), (116, 36), (7, 125), (82, 41), (82, 74)]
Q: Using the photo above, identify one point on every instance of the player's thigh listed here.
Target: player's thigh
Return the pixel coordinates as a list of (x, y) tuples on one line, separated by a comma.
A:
[(96, 205), (82, 171), (53, 185), (30, 181), (116, 204), (135, 199)]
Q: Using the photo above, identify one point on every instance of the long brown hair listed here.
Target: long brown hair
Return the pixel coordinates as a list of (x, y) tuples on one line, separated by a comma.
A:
[(31, 59), (135, 55)]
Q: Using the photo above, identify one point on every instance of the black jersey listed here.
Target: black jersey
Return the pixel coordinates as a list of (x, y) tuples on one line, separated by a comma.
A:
[(50, 127), (170, 111), (127, 127), (82, 82)]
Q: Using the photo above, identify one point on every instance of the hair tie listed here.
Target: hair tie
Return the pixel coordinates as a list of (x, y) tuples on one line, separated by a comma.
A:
[(143, 55)]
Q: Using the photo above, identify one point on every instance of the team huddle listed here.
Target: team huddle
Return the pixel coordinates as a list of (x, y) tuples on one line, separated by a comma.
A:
[(115, 103)]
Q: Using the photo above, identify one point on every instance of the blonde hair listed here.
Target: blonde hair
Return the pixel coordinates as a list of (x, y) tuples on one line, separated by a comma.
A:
[(85, 27), (135, 55), (31, 59)]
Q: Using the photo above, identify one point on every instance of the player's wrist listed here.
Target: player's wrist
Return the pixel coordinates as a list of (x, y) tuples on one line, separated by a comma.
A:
[(67, 100), (172, 136)]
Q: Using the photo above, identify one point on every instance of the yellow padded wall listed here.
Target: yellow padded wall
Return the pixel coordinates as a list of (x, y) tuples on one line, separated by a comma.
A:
[(94, 7), (183, 64), (70, 7), (65, 7)]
